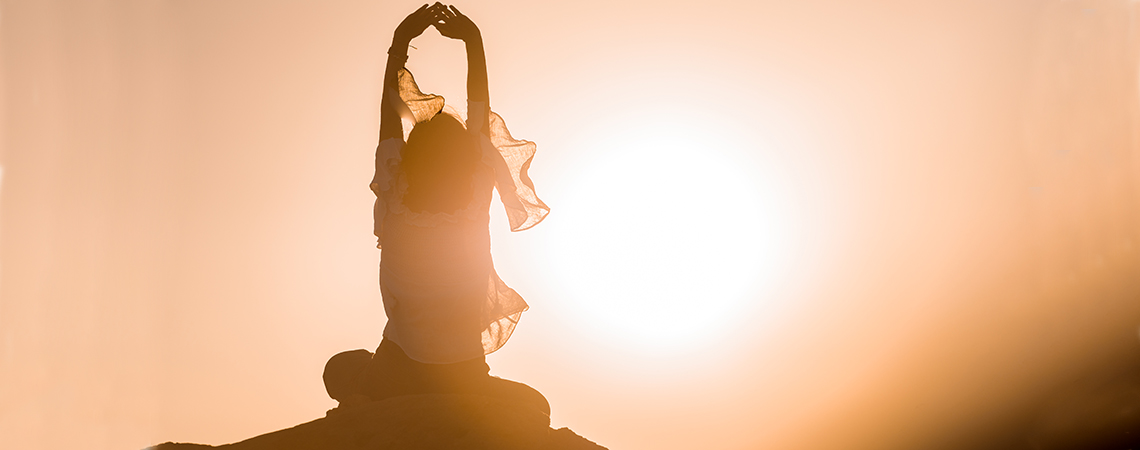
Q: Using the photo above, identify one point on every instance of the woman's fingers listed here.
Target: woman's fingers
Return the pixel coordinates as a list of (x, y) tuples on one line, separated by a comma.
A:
[(444, 14), (446, 18), (434, 13), (456, 14), (414, 24), (438, 9), (417, 12)]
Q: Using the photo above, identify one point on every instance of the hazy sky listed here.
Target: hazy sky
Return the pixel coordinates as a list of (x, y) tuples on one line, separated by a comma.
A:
[(769, 218)]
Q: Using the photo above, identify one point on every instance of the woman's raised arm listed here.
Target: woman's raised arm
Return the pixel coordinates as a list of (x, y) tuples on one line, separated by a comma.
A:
[(412, 26), (455, 25)]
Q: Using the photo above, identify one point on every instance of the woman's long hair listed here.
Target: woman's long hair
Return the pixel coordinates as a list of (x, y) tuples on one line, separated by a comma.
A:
[(439, 161)]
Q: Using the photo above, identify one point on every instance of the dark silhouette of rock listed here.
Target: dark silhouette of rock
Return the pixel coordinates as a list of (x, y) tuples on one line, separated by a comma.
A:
[(427, 422)]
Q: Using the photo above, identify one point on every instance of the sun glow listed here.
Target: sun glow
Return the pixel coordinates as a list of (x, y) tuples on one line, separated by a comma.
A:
[(667, 238)]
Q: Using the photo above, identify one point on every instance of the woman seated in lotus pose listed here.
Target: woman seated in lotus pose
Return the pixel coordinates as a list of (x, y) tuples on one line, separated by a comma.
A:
[(446, 306)]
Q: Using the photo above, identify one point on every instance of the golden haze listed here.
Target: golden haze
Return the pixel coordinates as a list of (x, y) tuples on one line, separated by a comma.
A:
[(896, 222)]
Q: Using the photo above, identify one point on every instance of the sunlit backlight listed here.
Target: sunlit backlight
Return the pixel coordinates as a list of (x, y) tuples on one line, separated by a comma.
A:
[(666, 240), (1, 197)]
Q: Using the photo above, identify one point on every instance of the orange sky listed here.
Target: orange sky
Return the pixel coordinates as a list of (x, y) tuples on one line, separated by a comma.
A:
[(858, 217)]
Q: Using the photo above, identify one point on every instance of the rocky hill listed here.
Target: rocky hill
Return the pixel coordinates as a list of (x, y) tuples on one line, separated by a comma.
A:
[(417, 422)]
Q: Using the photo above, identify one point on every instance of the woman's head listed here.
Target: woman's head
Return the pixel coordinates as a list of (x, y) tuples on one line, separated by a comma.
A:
[(443, 131), (439, 160)]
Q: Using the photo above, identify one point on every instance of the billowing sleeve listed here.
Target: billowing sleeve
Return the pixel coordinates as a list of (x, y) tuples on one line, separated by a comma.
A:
[(420, 106), (384, 181), (510, 158)]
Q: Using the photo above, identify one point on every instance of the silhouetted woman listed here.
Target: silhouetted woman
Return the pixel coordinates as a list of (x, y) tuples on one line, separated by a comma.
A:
[(446, 306)]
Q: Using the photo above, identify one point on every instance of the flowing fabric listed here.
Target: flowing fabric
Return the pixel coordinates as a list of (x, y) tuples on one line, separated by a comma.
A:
[(443, 299)]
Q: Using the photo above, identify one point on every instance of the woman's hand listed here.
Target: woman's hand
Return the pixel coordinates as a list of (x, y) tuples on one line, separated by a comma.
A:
[(412, 26), (416, 22), (455, 25)]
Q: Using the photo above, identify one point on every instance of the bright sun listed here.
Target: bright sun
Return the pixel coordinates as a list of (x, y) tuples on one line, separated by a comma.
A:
[(665, 239)]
